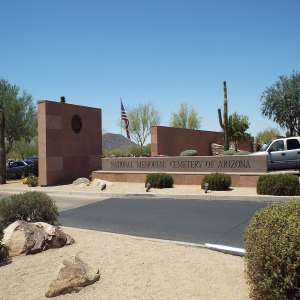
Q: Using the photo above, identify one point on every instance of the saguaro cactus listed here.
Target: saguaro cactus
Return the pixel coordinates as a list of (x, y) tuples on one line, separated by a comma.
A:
[(224, 123)]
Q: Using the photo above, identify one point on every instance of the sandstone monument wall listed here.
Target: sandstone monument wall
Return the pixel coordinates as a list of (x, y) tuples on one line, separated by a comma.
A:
[(69, 142), (185, 164), (171, 141)]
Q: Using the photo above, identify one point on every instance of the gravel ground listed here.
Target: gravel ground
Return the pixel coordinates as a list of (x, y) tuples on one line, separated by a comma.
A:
[(130, 188), (130, 268)]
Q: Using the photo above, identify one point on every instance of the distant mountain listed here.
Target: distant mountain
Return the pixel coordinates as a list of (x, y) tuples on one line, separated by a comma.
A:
[(113, 140)]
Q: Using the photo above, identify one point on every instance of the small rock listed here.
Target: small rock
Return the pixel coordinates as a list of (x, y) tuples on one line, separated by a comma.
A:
[(148, 187), (23, 237), (82, 181), (99, 182), (72, 277), (103, 186)]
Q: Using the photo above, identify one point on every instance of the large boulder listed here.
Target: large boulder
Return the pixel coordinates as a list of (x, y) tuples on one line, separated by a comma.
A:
[(72, 277), (81, 182), (217, 149), (23, 237)]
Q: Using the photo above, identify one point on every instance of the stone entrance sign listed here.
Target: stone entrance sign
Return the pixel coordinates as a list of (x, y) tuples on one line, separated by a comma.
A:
[(230, 164)]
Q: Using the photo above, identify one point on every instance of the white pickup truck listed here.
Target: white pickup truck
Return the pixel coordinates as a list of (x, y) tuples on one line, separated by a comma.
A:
[(282, 153)]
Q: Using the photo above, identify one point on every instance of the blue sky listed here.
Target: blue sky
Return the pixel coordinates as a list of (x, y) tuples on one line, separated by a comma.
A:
[(163, 52)]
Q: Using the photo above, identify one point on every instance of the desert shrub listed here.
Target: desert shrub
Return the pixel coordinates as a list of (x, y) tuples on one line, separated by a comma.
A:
[(229, 152), (35, 168), (160, 180), (217, 182), (233, 152), (278, 184), (116, 153), (189, 153), (30, 206), (272, 243), (31, 181), (134, 151)]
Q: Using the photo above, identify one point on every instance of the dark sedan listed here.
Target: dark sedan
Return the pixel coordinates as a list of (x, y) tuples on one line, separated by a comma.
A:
[(17, 169)]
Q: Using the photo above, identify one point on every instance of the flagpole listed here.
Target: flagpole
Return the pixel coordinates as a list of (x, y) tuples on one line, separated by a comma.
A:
[(121, 117)]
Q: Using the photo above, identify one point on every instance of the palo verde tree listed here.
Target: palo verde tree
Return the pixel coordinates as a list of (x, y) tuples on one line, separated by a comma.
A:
[(19, 119), (187, 117), (141, 119), (237, 129), (281, 103)]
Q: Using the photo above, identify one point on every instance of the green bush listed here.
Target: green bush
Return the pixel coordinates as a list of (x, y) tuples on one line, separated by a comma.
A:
[(217, 182), (278, 184), (32, 181), (159, 180), (116, 153), (128, 152), (30, 206), (189, 153), (272, 243), (233, 152)]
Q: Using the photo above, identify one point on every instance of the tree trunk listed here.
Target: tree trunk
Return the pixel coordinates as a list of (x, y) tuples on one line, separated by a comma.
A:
[(236, 146), (2, 148), (141, 149)]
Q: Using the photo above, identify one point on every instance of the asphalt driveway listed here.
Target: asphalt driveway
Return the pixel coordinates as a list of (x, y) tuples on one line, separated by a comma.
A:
[(196, 221)]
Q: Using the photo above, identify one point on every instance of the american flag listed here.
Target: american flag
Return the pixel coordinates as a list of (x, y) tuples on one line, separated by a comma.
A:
[(125, 119)]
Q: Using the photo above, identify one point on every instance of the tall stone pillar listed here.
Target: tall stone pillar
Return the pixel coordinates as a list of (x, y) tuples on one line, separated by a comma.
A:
[(69, 142)]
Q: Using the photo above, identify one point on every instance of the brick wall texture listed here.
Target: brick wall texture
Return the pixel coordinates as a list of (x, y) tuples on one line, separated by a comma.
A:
[(64, 154), (172, 141)]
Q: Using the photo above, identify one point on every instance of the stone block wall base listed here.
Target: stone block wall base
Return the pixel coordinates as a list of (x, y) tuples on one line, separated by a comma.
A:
[(238, 180)]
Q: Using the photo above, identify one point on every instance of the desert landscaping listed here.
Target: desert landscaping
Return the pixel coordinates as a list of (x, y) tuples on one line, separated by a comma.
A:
[(123, 188), (130, 268), (150, 150)]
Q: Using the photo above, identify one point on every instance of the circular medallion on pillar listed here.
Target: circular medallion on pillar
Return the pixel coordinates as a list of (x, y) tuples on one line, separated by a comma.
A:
[(76, 124)]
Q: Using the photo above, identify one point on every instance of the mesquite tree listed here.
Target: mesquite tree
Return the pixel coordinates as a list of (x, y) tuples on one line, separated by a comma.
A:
[(17, 120), (281, 103)]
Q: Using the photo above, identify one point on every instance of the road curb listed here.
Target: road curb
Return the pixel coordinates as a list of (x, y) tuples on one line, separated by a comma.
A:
[(213, 247), (226, 249), (164, 196)]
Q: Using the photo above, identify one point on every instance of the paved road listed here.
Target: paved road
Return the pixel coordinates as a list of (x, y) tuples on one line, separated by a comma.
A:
[(66, 202), (196, 221)]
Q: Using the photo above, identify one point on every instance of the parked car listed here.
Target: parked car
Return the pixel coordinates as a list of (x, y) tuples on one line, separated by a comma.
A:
[(33, 164), (17, 169), (283, 153)]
